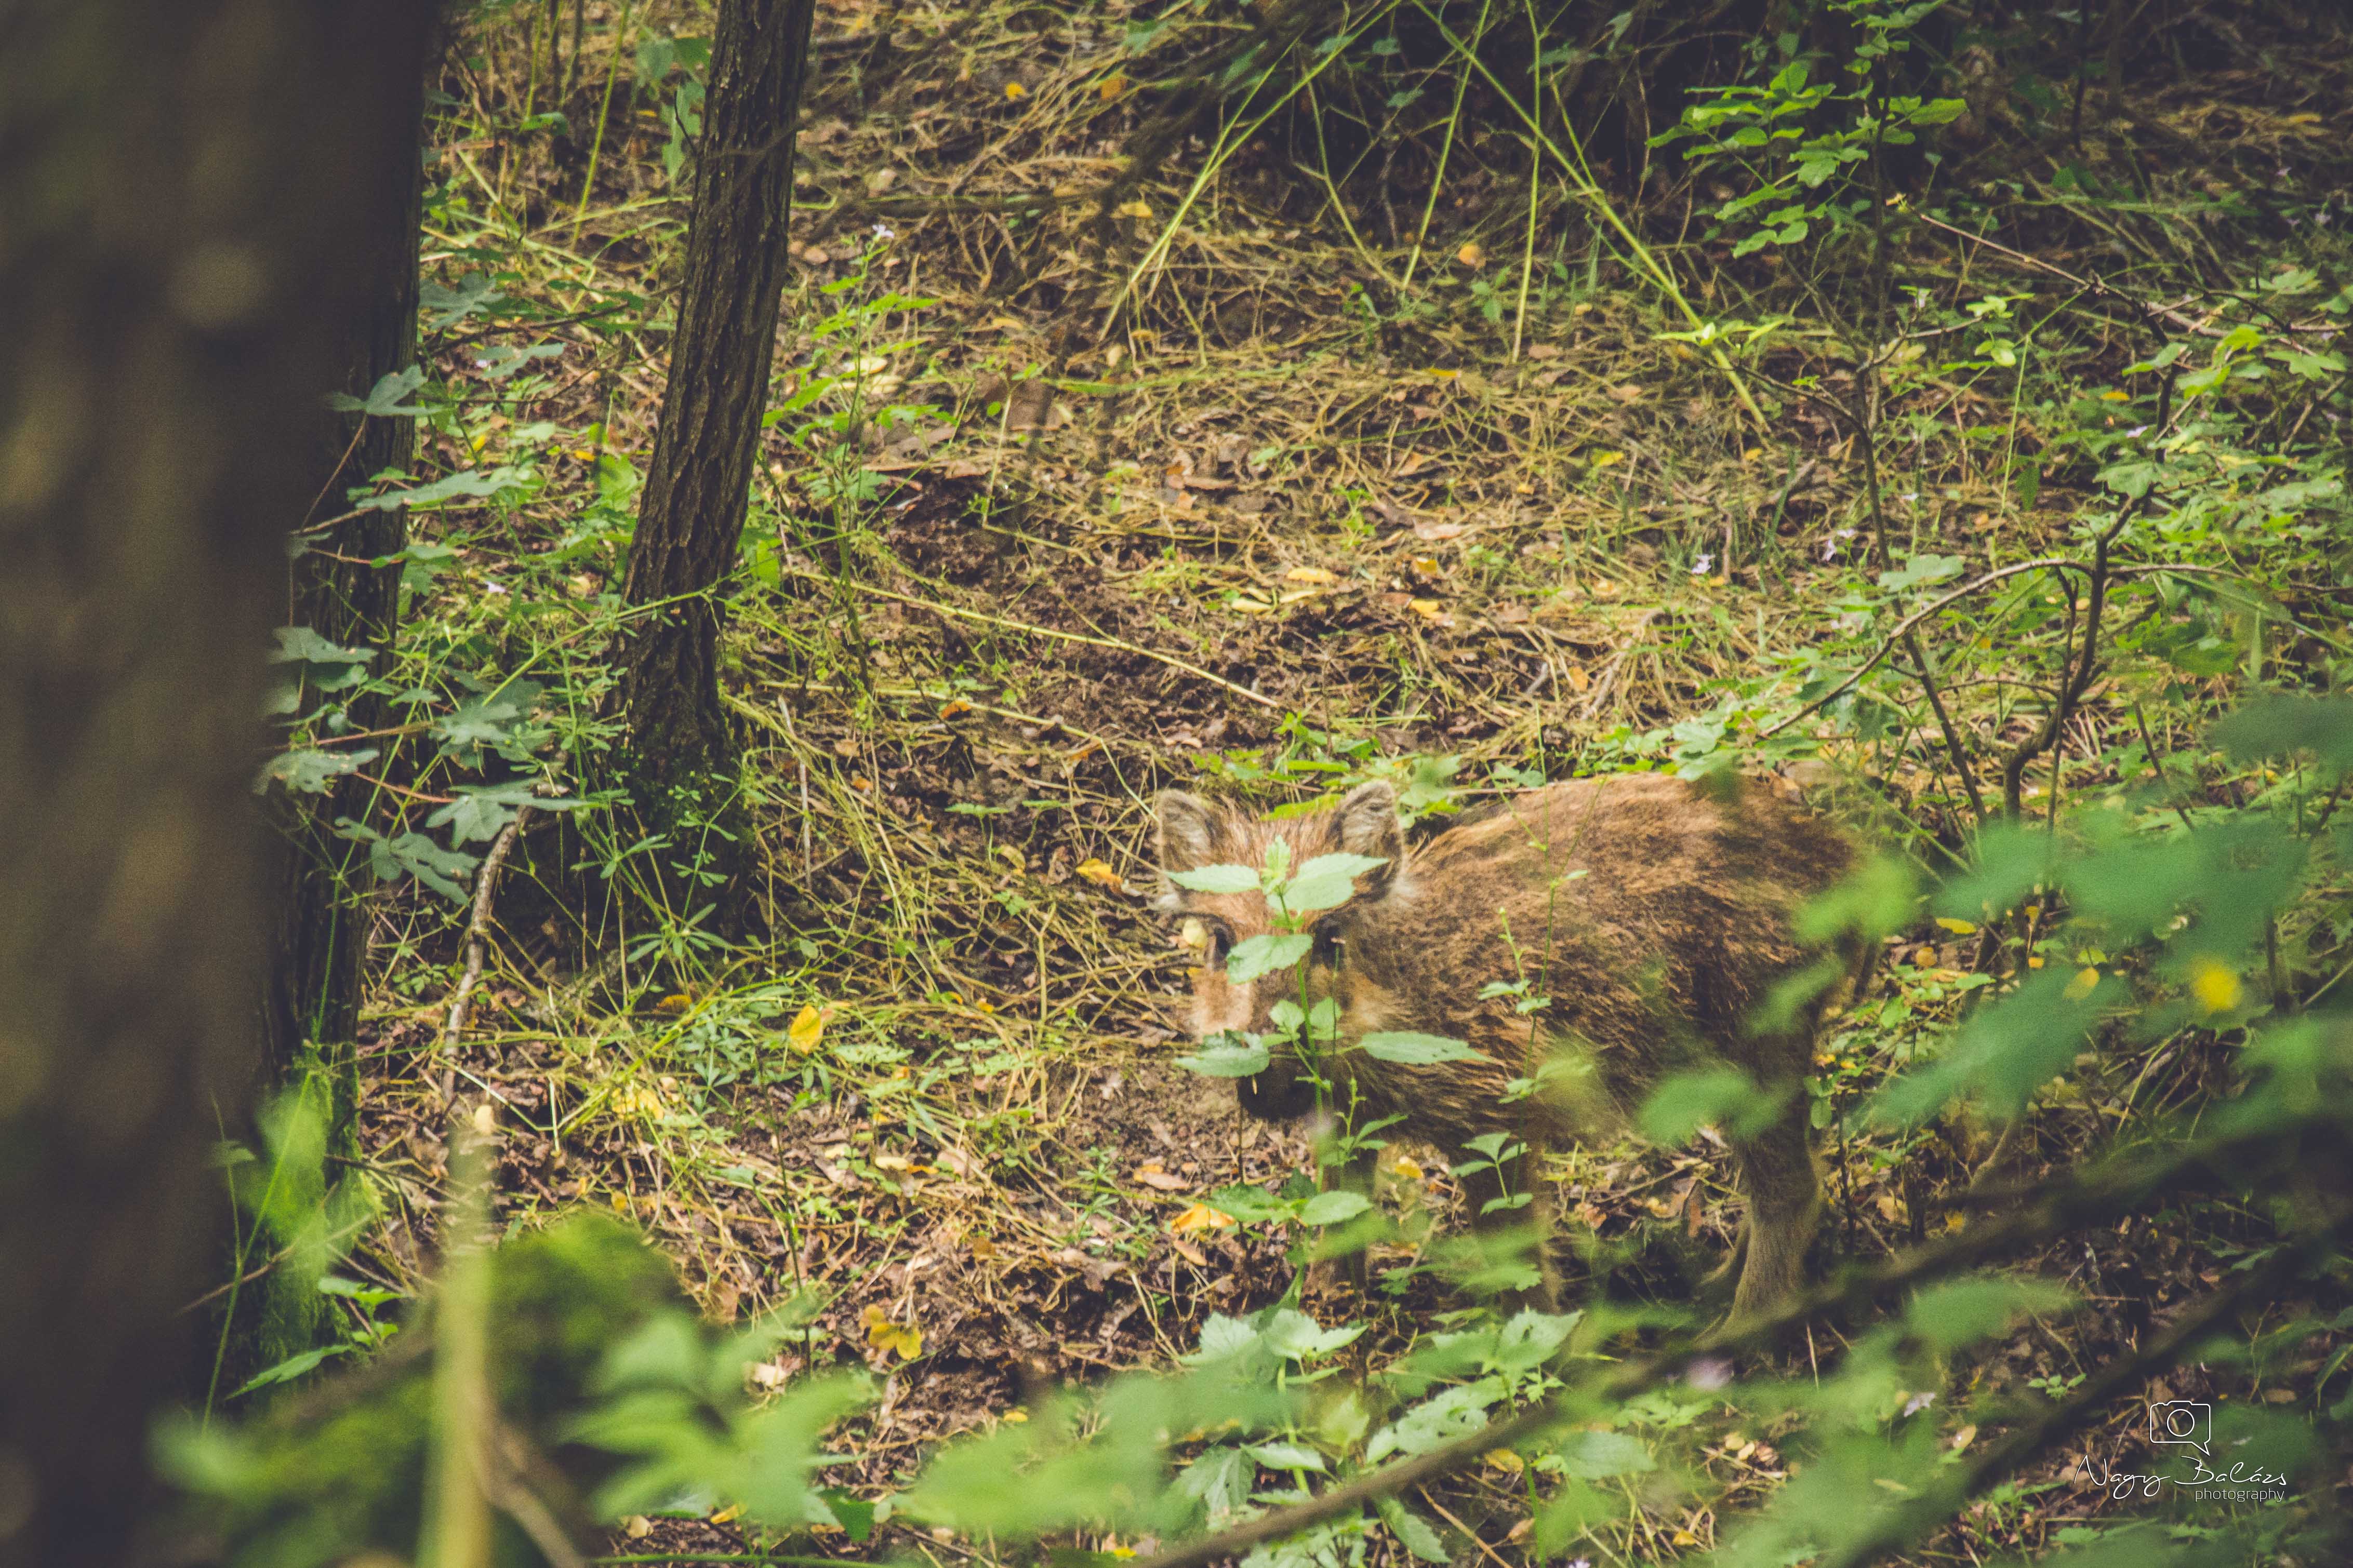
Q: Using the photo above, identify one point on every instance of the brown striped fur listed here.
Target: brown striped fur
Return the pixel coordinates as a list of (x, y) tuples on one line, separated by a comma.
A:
[(1654, 912)]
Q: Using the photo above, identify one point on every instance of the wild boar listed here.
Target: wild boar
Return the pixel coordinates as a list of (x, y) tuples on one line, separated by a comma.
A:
[(1654, 913)]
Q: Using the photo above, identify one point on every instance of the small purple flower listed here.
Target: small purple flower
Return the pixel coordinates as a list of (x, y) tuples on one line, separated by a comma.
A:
[(1701, 564)]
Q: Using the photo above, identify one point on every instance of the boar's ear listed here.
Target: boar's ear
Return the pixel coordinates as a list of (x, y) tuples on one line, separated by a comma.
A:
[(1189, 827), (1366, 824)]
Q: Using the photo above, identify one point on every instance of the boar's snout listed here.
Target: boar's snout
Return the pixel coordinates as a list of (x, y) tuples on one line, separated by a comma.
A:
[(1280, 1093)]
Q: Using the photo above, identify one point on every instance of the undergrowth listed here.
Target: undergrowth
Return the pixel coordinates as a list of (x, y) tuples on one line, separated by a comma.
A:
[(1945, 407)]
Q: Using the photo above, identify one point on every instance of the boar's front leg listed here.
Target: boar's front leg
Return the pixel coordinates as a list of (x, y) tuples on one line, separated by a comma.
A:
[(1784, 1192)]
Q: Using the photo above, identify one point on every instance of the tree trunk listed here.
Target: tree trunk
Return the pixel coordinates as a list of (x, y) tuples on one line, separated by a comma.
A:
[(181, 186), (682, 746), (316, 934)]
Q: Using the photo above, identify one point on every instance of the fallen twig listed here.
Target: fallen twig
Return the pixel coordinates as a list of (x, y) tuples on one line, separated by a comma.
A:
[(477, 926)]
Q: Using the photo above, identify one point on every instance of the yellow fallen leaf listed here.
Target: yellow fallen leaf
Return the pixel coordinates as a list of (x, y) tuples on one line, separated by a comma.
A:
[(808, 1031), (1406, 1168), (678, 1002), (1958, 928), (891, 1162), (1964, 1437), (1101, 874), (1503, 1459), (2086, 980), (1138, 208), (1200, 1216), (954, 709), (884, 1334), (728, 1515), (1015, 92), (1608, 457), (983, 1248), (1471, 255), (1428, 609), (1309, 574), (1015, 1416), (1162, 1180), (2216, 986), (636, 1527), (1685, 1538), (1111, 86)]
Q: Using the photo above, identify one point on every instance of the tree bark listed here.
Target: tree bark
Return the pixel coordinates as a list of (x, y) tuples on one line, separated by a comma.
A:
[(681, 745), (316, 935), (182, 186)]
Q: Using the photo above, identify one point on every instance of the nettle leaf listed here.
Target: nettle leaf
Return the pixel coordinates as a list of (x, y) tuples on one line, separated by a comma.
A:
[(1596, 1455), (1327, 882), (1529, 1340), (1266, 953), (1293, 1333), (2281, 725), (464, 485), (1216, 880), (1222, 1477), (1410, 1050), (2006, 1049), (383, 399), (1953, 1314), (500, 361), (417, 854), (1689, 1101), (1232, 1057), (1332, 1207), (300, 645), (449, 306), (1285, 1456), (488, 720), (481, 810), (1415, 1533), (1445, 1415), (311, 771), (2130, 478)]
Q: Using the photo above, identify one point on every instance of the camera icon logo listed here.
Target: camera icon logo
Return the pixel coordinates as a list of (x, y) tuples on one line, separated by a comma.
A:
[(2188, 1422)]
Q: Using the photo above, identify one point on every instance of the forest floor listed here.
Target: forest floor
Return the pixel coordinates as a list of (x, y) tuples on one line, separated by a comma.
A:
[(1301, 524)]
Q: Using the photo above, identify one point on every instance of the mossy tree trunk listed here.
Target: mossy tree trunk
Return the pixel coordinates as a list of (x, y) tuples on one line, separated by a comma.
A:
[(682, 756), (180, 185)]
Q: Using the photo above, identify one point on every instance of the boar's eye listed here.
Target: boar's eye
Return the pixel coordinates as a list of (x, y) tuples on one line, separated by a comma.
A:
[(1220, 942), (1327, 953)]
